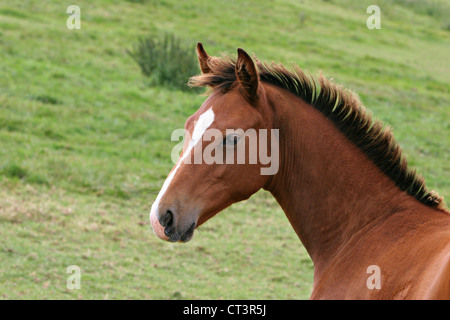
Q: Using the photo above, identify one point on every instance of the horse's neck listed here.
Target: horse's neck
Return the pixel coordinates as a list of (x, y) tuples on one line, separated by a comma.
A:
[(327, 187)]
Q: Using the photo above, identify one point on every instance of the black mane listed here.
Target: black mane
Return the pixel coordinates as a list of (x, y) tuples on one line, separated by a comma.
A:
[(342, 107)]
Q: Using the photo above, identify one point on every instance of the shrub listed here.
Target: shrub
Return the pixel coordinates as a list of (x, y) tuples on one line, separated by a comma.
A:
[(165, 61), (13, 170)]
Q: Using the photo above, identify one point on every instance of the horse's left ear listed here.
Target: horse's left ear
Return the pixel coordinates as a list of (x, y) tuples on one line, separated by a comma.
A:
[(203, 58), (247, 74)]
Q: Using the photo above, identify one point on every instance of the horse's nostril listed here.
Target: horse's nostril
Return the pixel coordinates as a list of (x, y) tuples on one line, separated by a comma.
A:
[(167, 219)]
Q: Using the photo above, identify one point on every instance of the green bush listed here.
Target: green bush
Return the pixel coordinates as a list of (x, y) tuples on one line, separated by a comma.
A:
[(12, 170), (165, 61)]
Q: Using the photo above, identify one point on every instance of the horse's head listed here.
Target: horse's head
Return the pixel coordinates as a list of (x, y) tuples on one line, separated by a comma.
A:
[(222, 160)]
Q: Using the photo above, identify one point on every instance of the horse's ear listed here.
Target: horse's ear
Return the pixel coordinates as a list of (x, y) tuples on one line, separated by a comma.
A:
[(247, 74), (203, 58)]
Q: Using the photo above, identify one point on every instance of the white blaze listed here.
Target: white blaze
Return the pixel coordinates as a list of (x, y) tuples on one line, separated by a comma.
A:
[(204, 122)]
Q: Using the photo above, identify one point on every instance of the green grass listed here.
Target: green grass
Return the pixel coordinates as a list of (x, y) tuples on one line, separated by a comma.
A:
[(85, 143)]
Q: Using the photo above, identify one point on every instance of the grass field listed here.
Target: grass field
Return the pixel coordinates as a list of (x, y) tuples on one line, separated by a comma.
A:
[(85, 142)]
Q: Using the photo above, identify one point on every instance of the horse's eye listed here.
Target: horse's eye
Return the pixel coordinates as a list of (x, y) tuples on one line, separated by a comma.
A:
[(231, 140)]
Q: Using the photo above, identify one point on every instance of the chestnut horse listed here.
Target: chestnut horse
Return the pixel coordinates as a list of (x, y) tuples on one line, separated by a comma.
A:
[(368, 222)]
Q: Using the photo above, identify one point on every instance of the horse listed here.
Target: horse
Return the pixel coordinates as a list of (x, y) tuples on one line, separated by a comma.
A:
[(371, 227)]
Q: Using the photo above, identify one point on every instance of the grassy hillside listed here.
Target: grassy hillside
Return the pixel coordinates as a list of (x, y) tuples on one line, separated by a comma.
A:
[(85, 142)]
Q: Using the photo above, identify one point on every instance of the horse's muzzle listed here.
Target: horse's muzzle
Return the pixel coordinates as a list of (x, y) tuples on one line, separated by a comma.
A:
[(165, 226)]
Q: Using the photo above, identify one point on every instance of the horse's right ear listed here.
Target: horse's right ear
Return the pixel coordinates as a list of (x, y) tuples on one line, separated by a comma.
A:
[(247, 74), (203, 58)]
